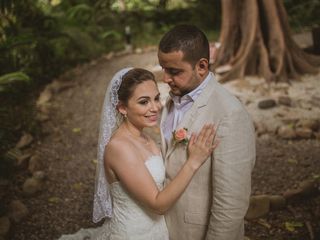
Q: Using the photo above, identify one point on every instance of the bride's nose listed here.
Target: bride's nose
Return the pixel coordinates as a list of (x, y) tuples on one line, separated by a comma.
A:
[(155, 107)]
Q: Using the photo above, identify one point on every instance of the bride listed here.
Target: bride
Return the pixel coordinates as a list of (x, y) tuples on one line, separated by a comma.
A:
[(130, 190)]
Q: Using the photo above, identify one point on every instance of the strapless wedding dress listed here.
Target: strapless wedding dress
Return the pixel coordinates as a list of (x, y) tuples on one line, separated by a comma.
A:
[(130, 220)]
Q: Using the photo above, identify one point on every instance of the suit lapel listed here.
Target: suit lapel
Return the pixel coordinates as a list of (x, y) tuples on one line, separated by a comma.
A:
[(192, 113), (164, 115)]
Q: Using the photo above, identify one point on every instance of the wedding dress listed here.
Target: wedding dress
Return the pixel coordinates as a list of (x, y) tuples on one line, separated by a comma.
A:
[(130, 220)]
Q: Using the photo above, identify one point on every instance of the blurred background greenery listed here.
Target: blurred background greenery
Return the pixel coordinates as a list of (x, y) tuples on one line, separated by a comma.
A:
[(40, 39)]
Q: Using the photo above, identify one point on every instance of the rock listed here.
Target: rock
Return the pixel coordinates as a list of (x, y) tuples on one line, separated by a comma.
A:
[(4, 226), (31, 186), (286, 132), (265, 137), (39, 175), (277, 202), (292, 195), (281, 86), (248, 101), (307, 188), (259, 207), (109, 56), (290, 121), (272, 128), (267, 103), (24, 141), (304, 133), (315, 101), (285, 100), (44, 109), (44, 97), (17, 211), (304, 104), (35, 164), (138, 51), (310, 187), (58, 86), (312, 124), (22, 161), (260, 127), (42, 117)]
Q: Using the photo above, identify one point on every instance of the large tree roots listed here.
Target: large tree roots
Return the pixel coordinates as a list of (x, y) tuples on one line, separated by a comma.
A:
[(256, 40)]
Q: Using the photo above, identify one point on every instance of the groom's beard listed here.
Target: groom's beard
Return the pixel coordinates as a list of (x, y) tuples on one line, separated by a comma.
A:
[(181, 91), (178, 91)]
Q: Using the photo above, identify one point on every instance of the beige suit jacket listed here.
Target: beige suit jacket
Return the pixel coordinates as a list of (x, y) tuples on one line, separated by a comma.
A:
[(216, 200)]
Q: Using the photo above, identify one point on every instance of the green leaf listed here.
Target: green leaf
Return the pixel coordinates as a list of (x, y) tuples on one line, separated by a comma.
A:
[(14, 77), (111, 33), (79, 10), (290, 125), (291, 226), (95, 161), (54, 200), (292, 161), (316, 176), (78, 186), (76, 130)]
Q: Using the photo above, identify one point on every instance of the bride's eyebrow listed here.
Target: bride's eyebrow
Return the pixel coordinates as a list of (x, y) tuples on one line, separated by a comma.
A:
[(147, 97), (143, 97)]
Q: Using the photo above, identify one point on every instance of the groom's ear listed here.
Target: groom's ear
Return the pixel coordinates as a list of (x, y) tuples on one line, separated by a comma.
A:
[(202, 67)]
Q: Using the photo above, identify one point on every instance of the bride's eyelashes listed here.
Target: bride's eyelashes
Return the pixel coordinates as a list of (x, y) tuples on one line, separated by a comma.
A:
[(143, 102), (147, 99)]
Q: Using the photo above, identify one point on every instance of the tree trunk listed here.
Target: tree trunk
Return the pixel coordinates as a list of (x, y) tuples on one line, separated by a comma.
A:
[(256, 40)]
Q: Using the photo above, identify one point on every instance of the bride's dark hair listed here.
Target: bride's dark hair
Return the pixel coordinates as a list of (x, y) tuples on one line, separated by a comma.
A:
[(131, 80)]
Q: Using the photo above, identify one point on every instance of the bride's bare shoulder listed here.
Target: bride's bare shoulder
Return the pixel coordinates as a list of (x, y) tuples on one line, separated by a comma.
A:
[(119, 147)]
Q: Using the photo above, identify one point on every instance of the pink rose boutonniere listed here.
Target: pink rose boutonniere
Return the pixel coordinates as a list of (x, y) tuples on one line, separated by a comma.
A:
[(180, 136)]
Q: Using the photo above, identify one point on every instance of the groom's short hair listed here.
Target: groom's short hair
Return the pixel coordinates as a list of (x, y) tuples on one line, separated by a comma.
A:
[(186, 38)]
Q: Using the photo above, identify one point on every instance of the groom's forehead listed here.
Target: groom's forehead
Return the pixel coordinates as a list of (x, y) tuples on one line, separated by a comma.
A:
[(170, 56)]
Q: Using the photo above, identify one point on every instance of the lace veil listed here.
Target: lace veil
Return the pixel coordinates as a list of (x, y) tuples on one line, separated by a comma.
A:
[(110, 120)]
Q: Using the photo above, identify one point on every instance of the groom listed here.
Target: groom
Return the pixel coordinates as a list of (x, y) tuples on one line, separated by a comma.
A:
[(216, 200)]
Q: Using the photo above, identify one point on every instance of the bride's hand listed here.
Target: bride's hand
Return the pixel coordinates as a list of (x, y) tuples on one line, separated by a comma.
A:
[(201, 146)]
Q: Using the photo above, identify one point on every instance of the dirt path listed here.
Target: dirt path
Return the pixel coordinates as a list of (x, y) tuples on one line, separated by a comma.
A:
[(68, 148)]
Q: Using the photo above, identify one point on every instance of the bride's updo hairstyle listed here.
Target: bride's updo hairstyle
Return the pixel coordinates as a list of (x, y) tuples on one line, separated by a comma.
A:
[(131, 80)]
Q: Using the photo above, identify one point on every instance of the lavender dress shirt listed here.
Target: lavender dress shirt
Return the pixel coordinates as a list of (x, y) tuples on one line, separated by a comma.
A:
[(180, 106)]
